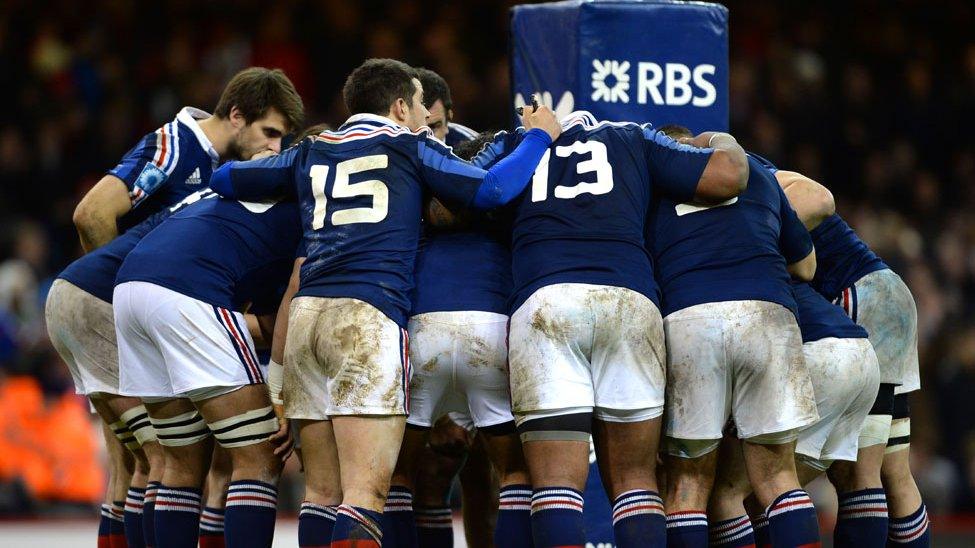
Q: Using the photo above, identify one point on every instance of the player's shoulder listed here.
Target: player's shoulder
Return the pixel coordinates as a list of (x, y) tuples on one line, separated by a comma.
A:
[(582, 121), (366, 129)]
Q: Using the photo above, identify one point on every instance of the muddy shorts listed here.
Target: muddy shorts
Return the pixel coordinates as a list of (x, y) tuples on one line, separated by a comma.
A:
[(845, 376), (882, 304), (581, 347), (460, 362), (741, 359), (344, 357), (82, 330)]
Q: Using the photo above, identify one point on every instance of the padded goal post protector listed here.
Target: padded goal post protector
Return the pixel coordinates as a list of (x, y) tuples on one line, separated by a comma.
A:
[(653, 61)]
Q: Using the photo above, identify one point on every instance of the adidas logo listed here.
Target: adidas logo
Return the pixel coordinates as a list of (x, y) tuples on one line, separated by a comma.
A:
[(194, 178)]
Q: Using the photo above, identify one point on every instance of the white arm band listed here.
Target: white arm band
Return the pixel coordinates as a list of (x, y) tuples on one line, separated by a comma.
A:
[(275, 381)]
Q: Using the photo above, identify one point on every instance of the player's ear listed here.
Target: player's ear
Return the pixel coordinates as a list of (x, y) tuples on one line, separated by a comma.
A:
[(236, 117)]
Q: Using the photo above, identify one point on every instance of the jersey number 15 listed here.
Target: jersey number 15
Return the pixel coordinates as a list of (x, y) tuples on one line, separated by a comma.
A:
[(342, 188), (598, 163)]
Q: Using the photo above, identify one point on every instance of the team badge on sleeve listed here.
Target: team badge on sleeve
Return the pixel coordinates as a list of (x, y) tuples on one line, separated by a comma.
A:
[(148, 181)]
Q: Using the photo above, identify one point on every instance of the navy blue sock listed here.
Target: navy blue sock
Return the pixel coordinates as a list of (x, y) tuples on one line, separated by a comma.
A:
[(105, 526), (133, 518), (514, 525), (760, 528), (357, 527), (315, 524), (177, 517), (792, 521), (148, 515), (687, 529), (910, 531), (399, 529), (116, 526), (861, 521), (252, 507), (211, 528), (639, 519), (732, 533), (557, 518), (435, 526)]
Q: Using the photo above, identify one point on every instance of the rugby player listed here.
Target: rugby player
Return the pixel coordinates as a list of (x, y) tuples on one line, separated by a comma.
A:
[(256, 108), (347, 352), (586, 340), (845, 376), (734, 350), (875, 297), (185, 351)]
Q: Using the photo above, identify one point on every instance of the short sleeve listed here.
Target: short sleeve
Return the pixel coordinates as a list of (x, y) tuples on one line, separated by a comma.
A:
[(148, 165), (675, 168)]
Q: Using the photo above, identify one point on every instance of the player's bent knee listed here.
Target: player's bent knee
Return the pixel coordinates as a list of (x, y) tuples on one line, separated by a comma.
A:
[(137, 421), (182, 430), (245, 429), (690, 449), (573, 424)]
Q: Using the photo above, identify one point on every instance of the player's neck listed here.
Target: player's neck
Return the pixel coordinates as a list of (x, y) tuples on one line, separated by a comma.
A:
[(220, 133)]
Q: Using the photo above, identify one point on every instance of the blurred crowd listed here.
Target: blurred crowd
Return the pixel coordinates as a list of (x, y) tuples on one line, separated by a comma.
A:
[(873, 99)]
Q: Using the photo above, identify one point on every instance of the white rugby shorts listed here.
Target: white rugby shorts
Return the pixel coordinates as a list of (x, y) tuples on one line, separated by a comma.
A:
[(882, 304), (739, 359), (460, 364), (845, 376), (580, 346), (172, 345), (82, 330), (344, 356)]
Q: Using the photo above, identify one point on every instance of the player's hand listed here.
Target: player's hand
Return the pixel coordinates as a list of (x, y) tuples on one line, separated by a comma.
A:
[(282, 441), (541, 117)]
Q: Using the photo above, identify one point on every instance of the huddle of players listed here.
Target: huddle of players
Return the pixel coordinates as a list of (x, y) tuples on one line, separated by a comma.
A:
[(572, 260)]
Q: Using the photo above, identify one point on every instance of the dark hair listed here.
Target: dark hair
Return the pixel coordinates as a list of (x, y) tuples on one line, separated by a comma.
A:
[(675, 131), (467, 150), (434, 88), (376, 84), (311, 130), (256, 90)]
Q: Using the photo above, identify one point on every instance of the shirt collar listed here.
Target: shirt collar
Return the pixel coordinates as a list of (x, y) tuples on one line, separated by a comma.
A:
[(373, 118), (188, 116)]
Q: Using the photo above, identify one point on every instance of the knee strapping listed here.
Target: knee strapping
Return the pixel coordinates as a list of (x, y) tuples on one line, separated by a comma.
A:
[(181, 430), (900, 436), (137, 420), (124, 435), (245, 429), (568, 427)]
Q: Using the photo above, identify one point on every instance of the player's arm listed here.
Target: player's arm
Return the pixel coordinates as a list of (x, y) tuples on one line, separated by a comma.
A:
[(812, 201), (96, 216), (710, 168), (259, 179), (275, 370), (461, 183), (795, 244)]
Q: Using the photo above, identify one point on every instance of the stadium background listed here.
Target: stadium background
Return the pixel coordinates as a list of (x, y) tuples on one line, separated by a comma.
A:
[(874, 99)]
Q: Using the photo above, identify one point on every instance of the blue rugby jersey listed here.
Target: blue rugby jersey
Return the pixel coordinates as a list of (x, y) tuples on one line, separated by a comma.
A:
[(467, 269), (842, 257), (737, 250), (95, 272), (361, 192), (582, 220), (222, 252), (818, 318), (166, 166)]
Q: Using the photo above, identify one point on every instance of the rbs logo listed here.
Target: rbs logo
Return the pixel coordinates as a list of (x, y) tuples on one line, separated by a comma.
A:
[(673, 84)]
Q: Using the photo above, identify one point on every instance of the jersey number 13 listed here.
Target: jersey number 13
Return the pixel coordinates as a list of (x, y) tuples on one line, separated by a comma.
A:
[(598, 163)]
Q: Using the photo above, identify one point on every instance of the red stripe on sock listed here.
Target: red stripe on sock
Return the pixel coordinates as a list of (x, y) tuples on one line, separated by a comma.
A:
[(359, 543), (211, 541), (117, 541), (782, 505)]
